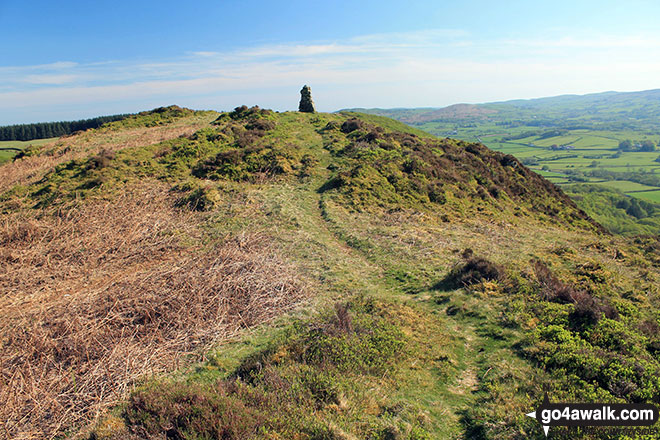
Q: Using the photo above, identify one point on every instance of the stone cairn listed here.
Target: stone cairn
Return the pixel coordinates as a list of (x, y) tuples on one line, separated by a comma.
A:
[(306, 103)]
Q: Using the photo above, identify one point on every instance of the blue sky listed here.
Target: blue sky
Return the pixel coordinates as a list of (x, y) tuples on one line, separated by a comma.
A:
[(73, 59)]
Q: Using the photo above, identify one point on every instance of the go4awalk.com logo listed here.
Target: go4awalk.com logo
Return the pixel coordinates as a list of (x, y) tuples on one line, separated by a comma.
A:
[(594, 414)]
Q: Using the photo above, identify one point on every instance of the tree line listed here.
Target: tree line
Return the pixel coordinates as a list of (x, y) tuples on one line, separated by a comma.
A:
[(628, 145), (45, 130)]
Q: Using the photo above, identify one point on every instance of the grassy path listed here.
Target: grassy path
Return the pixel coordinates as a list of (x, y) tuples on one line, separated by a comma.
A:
[(320, 237)]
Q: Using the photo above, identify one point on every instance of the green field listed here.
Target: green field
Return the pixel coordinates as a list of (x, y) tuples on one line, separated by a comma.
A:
[(631, 171), (625, 186), (6, 147), (652, 196)]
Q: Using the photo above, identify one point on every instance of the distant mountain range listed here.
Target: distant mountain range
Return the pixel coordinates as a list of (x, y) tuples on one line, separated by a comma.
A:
[(629, 110)]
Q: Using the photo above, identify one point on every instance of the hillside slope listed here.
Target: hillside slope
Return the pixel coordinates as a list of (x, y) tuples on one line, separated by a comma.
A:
[(607, 142), (254, 274)]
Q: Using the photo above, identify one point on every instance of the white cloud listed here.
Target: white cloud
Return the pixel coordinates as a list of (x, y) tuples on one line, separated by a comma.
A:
[(49, 79), (205, 54), (634, 42), (301, 50), (426, 68), (60, 65)]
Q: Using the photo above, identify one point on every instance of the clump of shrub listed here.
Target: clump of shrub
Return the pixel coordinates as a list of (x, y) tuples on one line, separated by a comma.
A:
[(592, 271), (183, 410), (353, 338), (29, 151), (208, 134), (183, 153), (364, 187), (101, 160), (261, 125), (308, 163), (473, 271), (245, 128), (244, 112), (551, 287), (246, 138), (351, 125), (332, 125), (246, 125), (436, 193), (250, 164), (196, 197), (152, 118), (588, 310), (348, 342)]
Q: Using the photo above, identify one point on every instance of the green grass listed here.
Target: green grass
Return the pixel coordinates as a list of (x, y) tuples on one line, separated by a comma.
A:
[(626, 186), (653, 196), (340, 243)]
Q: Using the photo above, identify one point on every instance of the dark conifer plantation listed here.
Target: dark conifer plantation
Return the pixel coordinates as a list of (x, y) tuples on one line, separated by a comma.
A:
[(44, 130)]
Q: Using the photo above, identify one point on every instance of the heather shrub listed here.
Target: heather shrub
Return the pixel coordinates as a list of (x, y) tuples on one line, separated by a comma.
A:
[(588, 310), (187, 410), (250, 164), (473, 271), (101, 160), (262, 125), (351, 125)]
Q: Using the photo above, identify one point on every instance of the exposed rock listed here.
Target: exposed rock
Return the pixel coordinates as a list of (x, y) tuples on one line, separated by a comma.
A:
[(306, 103)]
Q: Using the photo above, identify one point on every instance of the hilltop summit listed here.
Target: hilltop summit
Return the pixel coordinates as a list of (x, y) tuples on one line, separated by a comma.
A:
[(209, 249)]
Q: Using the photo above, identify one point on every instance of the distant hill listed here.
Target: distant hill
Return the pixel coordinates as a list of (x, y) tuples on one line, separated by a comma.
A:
[(617, 110), (456, 111), (592, 101)]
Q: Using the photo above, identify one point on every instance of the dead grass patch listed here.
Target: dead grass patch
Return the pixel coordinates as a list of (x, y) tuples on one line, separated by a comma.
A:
[(98, 296)]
